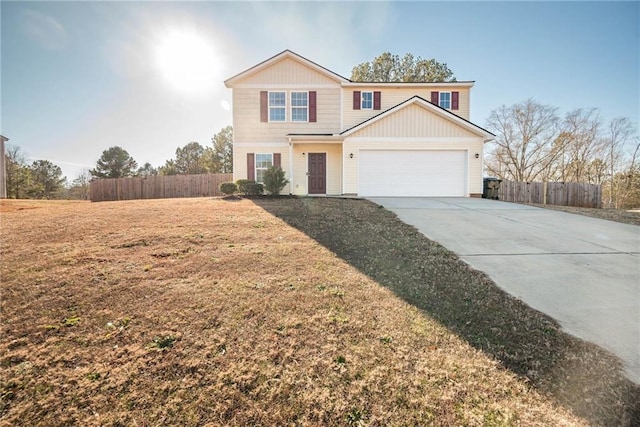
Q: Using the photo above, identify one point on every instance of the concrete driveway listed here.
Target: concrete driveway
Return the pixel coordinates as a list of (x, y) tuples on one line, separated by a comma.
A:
[(584, 272)]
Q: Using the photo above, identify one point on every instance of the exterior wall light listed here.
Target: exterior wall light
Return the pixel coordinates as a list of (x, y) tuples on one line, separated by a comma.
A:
[(351, 156), (477, 155)]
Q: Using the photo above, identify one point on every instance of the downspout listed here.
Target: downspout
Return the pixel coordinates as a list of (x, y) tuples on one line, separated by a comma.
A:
[(290, 167)]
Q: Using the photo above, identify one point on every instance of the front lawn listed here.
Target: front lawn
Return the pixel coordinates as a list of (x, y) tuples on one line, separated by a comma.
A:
[(272, 312)]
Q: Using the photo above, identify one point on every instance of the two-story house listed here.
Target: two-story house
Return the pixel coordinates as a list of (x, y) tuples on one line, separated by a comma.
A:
[(334, 136)]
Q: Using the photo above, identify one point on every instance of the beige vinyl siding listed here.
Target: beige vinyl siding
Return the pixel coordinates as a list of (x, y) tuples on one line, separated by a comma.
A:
[(413, 121), (287, 72), (391, 97), (247, 126), (299, 182), (470, 145), (240, 159)]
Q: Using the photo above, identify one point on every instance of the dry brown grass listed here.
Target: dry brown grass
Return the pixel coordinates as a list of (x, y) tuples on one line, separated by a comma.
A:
[(617, 215), (214, 312)]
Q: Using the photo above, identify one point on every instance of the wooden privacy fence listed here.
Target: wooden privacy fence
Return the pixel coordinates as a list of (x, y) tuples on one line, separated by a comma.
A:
[(158, 187), (557, 193)]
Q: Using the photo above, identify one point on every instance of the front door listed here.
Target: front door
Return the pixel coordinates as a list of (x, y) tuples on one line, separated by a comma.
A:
[(317, 173)]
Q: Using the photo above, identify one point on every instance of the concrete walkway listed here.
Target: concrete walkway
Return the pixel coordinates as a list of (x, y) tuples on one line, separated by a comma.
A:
[(584, 272)]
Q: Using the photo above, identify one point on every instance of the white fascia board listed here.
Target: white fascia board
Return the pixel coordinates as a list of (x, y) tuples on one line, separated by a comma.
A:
[(413, 140), (286, 86), (320, 139), (261, 144), (401, 85)]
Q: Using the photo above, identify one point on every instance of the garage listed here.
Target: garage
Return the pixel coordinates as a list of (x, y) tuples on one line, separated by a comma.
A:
[(419, 173)]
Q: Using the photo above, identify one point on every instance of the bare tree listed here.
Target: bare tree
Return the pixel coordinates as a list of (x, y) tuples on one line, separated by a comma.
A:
[(597, 171), (620, 131), (524, 146), (626, 182), (578, 144), (79, 188), (19, 177), (532, 143)]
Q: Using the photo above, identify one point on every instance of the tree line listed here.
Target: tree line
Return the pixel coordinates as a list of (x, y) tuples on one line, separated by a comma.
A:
[(44, 180), (40, 179), (534, 143)]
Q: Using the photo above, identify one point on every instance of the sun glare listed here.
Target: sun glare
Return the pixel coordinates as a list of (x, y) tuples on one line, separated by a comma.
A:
[(187, 61)]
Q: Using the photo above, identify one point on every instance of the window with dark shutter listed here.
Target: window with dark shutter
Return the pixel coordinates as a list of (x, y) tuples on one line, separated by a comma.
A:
[(299, 106), (455, 100), (263, 161), (277, 160), (356, 99), (435, 98), (377, 98), (264, 106), (312, 106), (251, 167)]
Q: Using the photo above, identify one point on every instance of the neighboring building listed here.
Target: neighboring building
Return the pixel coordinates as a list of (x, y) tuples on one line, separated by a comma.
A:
[(3, 168), (333, 136)]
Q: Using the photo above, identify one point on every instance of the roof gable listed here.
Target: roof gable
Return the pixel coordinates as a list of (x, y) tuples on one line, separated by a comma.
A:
[(417, 117), (286, 67)]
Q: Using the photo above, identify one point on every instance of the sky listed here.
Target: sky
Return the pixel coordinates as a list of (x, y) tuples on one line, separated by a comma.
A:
[(80, 77)]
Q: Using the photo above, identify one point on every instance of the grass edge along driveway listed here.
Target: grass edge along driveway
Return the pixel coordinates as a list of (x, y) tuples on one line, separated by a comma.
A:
[(578, 374)]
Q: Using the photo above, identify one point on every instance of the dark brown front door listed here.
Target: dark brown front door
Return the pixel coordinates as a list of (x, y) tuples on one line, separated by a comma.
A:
[(317, 173)]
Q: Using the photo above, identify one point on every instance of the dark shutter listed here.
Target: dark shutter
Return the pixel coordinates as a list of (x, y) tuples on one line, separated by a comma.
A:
[(376, 100), (277, 160), (264, 106), (251, 166), (454, 100), (312, 106), (356, 99), (435, 98)]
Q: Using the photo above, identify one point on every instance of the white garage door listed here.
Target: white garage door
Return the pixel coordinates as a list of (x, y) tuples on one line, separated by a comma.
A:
[(413, 173)]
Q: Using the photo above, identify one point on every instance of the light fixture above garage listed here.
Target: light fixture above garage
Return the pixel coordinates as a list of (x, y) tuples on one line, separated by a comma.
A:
[(477, 155), (351, 156)]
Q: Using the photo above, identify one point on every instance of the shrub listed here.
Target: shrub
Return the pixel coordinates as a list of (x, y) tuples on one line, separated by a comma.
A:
[(274, 180), (242, 185), (254, 189), (228, 188)]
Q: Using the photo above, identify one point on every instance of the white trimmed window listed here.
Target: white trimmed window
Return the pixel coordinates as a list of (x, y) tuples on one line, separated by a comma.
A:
[(299, 106), (277, 106), (445, 100), (263, 162), (366, 102)]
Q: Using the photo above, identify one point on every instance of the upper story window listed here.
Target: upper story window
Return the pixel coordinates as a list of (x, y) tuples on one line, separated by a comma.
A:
[(367, 101), (263, 162), (445, 100), (303, 105), (299, 106), (277, 106)]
